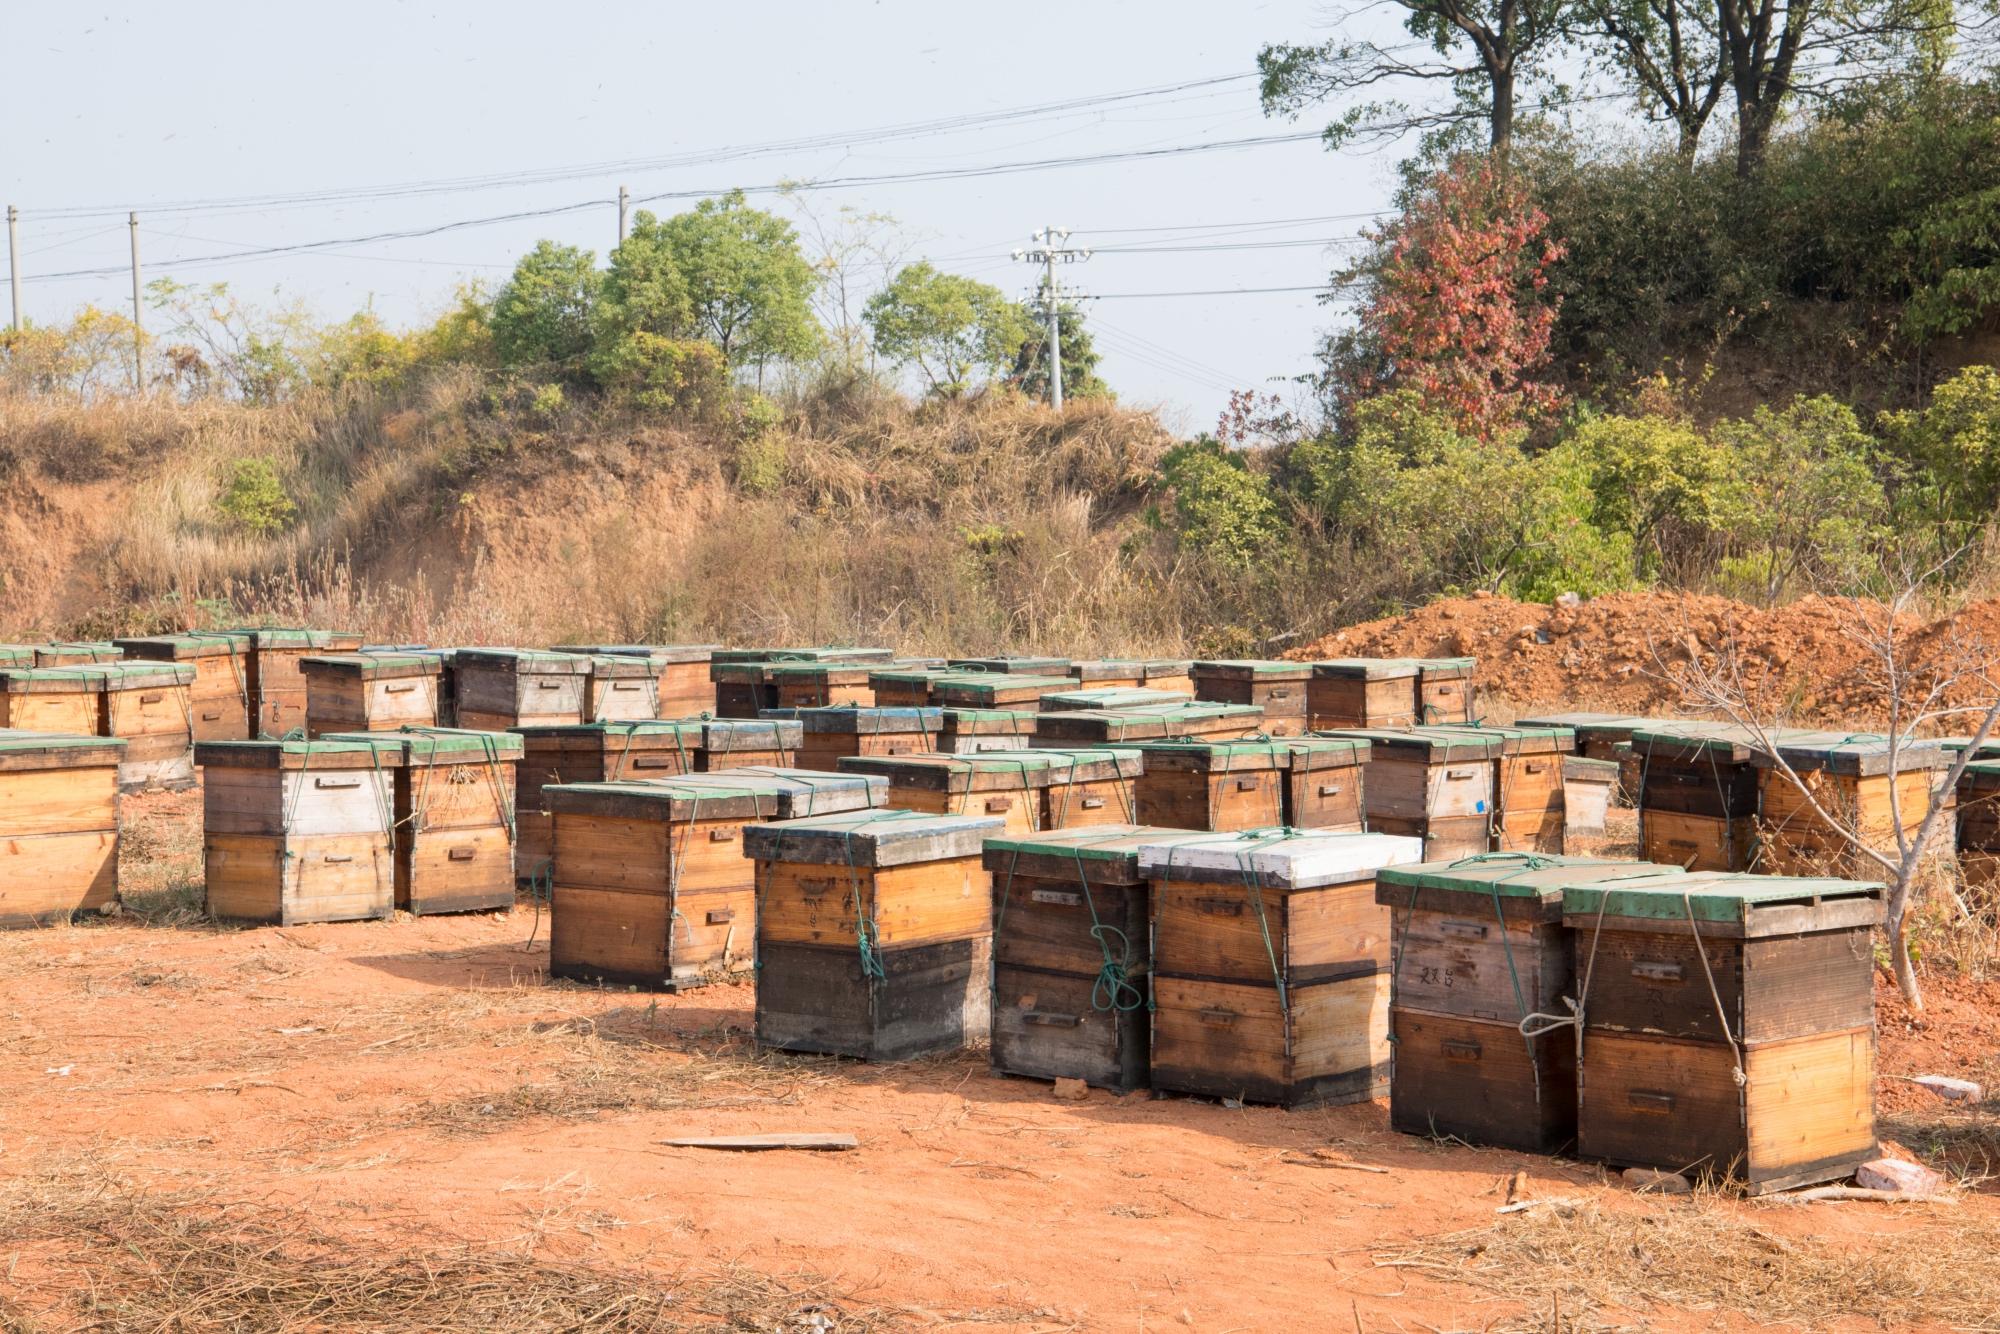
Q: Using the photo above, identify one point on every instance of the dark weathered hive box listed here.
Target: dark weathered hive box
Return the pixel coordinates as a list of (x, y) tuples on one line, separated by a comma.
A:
[(970, 731), (730, 743), (684, 687), (277, 686), (455, 817), (874, 933), (828, 736), (299, 831), (1097, 727), (220, 693), (1697, 795), (1217, 785), (590, 753), (1171, 674), (1278, 688), (1270, 965), (1021, 665), (1072, 950), (371, 692), (1433, 783), (503, 688), (1480, 946), (903, 687), (58, 825), (1325, 784), (1978, 799), (743, 693), (1789, 960), (1445, 690), (819, 685), (1362, 692)]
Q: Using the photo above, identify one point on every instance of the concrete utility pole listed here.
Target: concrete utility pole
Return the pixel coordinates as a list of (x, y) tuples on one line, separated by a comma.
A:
[(14, 261), (624, 199), (138, 316), (1049, 248)]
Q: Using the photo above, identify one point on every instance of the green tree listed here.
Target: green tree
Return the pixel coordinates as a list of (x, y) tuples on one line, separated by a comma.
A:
[(1656, 478), (462, 335), (748, 285), (1220, 507), (1949, 457), (945, 325), (1079, 357), (254, 499), (1804, 498), (644, 289), (543, 316)]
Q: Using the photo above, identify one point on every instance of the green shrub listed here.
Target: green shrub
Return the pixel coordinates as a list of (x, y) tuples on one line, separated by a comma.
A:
[(655, 373), (254, 500), (1220, 508)]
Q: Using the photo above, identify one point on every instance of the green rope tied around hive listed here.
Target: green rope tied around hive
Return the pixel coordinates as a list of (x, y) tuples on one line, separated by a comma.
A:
[(1112, 992)]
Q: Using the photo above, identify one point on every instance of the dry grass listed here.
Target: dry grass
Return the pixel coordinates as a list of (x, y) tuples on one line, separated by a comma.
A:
[(1703, 1256), (89, 1251)]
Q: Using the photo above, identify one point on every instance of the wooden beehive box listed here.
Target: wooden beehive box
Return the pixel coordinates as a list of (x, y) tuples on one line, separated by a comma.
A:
[(1432, 783), (684, 687), (1774, 1086), (17, 655), (903, 687), (1278, 688), (1362, 692), (58, 825), (1325, 783), (50, 699), (874, 933), (649, 884), (299, 831), (499, 688), (744, 690), (1445, 690), (621, 688), (819, 685), (1170, 674), (455, 818), (370, 692), (1110, 699), (220, 694), (731, 743), (1697, 795), (1480, 946), (1270, 965), (1855, 780), (970, 731), (1088, 785), (994, 690), (1599, 736), (149, 705), (830, 735), (1098, 727), (1979, 822), (277, 685), (1021, 665), (590, 753), (77, 654), (1216, 785), (1008, 788), (1072, 953), (1528, 786), (1588, 789)]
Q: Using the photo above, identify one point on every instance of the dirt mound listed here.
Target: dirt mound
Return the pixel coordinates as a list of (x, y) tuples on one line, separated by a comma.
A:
[(1624, 652)]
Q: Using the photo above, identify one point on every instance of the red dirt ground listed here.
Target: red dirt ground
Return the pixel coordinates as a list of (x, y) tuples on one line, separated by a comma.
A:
[(416, 1082)]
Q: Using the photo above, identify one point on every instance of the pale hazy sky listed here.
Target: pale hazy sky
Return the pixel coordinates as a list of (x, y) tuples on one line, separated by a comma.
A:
[(202, 104)]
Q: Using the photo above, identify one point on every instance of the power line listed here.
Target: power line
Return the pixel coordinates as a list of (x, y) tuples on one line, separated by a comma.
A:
[(1215, 291)]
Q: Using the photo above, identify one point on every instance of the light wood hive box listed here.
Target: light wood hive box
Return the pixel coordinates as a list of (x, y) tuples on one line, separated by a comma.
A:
[(1480, 946), (1527, 786), (1278, 688), (684, 688), (503, 688), (151, 706), (220, 693), (1270, 965), (902, 687), (1362, 692), (744, 690), (1325, 783), (827, 736), (1216, 785), (1445, 690), (1072, 954), (58, 826), (299, 831), (874, 933), (277, 685), (1589, 787), (1432, 783), (455, 817), (1111, 699), (1697, 795), (1790, 960), (590, 753), (621, 689), (1854, 779), (371, 692), (819, 685), (651, 887), (1152, 722), (1173, 675)]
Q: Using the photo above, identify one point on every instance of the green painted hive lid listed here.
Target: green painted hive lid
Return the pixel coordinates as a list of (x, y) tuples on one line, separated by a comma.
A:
[(1515, 875), (853, 720), (22, 750), (1446, 669), (614, 667), (720, 736), (668, 800), (1853, 754), (187, 644), (357, 751), (931, 772), (1014, 666), (685, 731), (1584, 723), (842, 673), (76, 652), (1203, 756), (1100, 669), (825, 653), (1522, 739), (1006, 722), (1111, 698), (372, 666), (294, 637), (1312, 753), (1727, 900), (870, 838), (443, 745), (798, 793), (1251, 669), (1366, 669), (1101, 854), (17, 655), (1431, 745), (538, 662)]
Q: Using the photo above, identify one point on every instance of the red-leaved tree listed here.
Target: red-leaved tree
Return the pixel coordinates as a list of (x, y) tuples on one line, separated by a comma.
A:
[(1456, 303)]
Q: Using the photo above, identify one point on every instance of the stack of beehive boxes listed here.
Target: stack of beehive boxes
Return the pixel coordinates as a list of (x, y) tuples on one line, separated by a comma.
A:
[(1432, 783), (220, 693), (454, 808), (684, 689), (590, 753), (1820, 792), (277, 685), (499, 688)]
